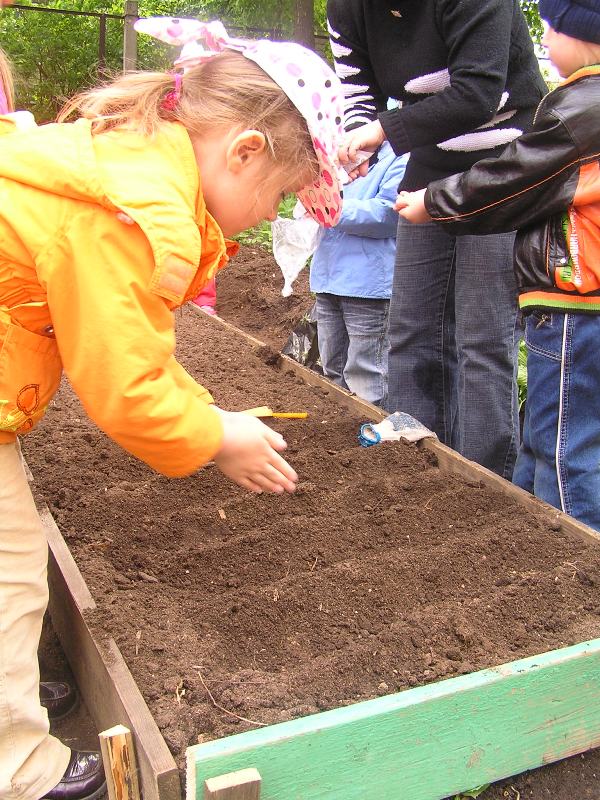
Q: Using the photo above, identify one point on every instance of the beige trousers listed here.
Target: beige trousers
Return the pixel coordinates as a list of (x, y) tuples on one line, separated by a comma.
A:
[(31, 761)]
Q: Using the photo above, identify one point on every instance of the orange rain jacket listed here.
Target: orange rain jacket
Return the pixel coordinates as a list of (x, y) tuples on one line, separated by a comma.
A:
[(83, 291)]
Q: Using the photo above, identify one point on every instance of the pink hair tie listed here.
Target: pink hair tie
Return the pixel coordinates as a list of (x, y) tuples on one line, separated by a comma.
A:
[(171, 99)]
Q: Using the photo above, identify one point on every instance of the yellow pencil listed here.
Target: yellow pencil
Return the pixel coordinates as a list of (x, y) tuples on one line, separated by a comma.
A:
[(265, 411)]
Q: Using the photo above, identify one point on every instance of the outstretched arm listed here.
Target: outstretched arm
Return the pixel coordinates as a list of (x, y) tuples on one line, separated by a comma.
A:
[(117, 341), (534, 178)]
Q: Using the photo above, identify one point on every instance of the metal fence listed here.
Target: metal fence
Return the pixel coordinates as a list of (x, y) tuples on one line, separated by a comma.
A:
[(54, 61), (101, 16)]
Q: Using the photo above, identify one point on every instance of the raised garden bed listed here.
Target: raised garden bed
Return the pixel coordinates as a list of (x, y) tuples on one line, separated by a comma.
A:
[(385, 571)]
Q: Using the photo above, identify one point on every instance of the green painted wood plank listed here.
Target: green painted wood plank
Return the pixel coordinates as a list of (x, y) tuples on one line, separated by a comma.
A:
[(424, 743)]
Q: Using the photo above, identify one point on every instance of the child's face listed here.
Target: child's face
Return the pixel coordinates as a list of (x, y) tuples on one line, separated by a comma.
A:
[(256, 197), (566, 53), (241, 185)]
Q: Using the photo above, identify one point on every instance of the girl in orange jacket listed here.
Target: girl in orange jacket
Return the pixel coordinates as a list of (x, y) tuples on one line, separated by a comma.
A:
[(107, 224)]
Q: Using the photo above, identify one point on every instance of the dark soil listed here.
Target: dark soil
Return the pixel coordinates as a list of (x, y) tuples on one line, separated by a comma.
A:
[(379, 574), (249, 296)]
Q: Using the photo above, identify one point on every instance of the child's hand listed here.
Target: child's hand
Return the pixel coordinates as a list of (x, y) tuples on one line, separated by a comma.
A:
[(367, 138), (249, 454), (411, 206)]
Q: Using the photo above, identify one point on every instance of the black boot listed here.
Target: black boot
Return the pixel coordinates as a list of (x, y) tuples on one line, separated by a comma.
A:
[(83, 780), (58, 698)]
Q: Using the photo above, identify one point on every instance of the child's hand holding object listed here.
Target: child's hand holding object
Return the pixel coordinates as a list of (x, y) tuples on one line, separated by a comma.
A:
[(411, 206), (249, 454)]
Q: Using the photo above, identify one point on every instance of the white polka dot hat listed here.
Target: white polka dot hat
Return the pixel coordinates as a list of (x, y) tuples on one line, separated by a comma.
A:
[(305, 77)]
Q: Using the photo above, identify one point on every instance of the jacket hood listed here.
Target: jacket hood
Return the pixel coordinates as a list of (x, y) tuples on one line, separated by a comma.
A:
[(50, 157), (112, 170)]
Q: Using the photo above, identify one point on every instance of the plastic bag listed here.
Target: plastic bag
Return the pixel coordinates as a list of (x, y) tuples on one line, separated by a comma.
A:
[(303, 343), (398, 425), (294, 242)]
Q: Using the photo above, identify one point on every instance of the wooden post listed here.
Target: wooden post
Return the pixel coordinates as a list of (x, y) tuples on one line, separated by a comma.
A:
[(129, 36), (241, 785), (102, 45), (120, 766)]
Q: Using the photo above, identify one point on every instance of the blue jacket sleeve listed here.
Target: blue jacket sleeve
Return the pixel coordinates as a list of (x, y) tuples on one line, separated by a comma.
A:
[(374, 217)]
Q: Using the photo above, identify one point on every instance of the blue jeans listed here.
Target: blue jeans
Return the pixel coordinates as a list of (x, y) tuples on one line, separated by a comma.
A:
[(454, 335), (353, 344), (559, 460)]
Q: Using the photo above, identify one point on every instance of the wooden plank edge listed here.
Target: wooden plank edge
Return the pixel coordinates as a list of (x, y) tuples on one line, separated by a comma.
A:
[(424, 743), (217, 320), (120, 763), (453, 462), (241, 785), (104, 680)]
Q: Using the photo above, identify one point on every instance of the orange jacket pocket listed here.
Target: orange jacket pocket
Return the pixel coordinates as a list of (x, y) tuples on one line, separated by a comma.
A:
[(30, 371)]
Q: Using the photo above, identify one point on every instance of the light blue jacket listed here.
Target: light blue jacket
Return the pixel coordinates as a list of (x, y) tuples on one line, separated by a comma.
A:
[(356, 257)]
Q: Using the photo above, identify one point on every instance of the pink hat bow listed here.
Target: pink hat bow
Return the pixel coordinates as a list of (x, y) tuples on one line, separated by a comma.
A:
[(309, 82), (187, 33)]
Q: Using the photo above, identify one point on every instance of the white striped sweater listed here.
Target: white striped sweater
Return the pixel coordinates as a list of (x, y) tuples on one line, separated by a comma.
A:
[(464, 71)]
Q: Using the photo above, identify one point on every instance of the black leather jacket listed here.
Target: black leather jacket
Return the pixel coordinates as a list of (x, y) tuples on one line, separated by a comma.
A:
[(546, 184)]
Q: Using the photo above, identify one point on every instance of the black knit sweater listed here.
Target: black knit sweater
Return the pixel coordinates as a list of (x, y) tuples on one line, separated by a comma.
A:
[(464, 71)]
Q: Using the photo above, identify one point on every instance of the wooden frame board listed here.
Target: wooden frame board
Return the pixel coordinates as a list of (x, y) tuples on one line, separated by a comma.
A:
[(425, 743), (469, 730)]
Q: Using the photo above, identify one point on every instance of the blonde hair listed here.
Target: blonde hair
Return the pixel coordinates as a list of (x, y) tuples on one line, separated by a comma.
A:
[(227, 91), (6, 80)]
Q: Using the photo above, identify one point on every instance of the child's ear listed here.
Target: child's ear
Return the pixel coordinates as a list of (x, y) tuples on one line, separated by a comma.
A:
[(244, 148)]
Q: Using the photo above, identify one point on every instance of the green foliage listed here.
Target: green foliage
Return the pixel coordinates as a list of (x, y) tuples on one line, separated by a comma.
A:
[(472, 793), (522, 373), (54, 55), (261, 234), (532, 14)]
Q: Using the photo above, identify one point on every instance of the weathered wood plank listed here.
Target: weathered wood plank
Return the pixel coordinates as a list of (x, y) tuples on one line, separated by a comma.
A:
[(424, 743), (241, 785), (120, 765), (103, 678)]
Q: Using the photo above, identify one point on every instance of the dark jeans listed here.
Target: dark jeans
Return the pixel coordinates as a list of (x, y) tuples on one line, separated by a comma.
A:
[(454, 335)]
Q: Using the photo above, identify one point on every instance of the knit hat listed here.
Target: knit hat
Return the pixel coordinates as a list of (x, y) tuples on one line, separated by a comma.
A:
[(309, 82), (577, 18)]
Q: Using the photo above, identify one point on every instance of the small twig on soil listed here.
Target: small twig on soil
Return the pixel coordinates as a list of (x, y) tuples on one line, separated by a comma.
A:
[(573, 567), (179, 692), (438, 496), (241, 682), (315, 563), (226, 711)]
